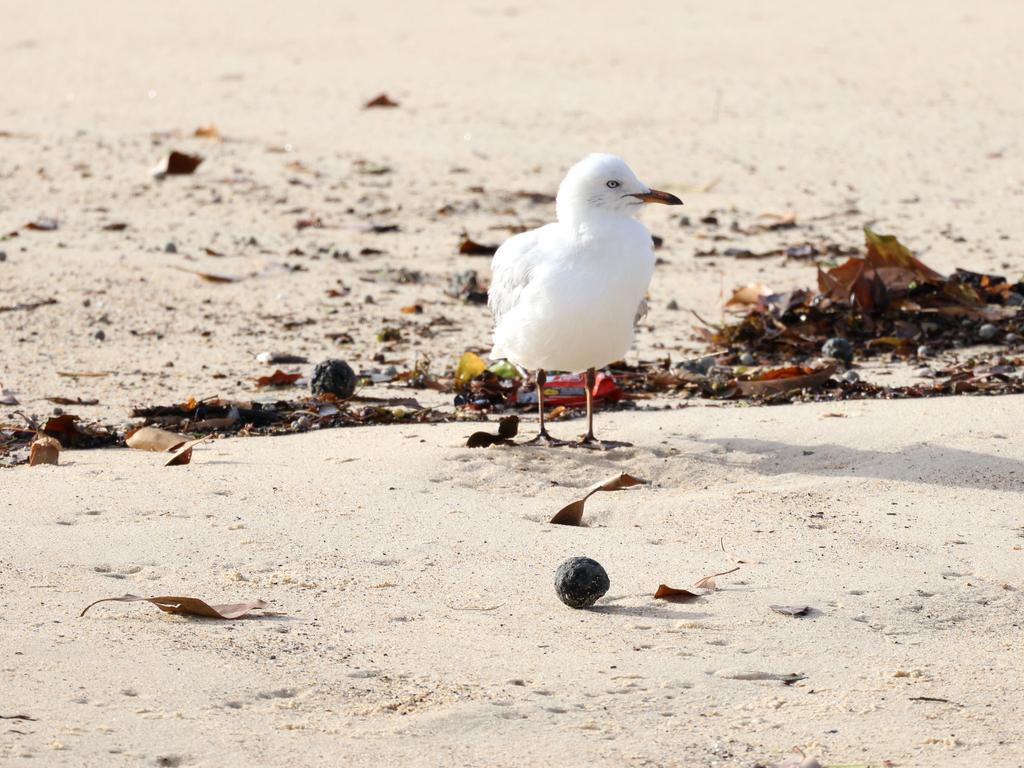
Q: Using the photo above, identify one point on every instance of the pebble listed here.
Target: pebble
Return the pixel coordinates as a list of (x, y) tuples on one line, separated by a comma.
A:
[(99, 335), (334, 377), (171, 247), (747, 359), (580, 582), (851, 377), (838, 349), (1012, 338), (988, 332), (925, 351), (3, 255)]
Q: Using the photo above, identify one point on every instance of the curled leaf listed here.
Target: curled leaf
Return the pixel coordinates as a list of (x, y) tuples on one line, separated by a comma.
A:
[(186, 606), (380, 101), (791, 610), (177, 164), (470, 247), (708, 582), (278, 379), (45, 450), (154, 439), (508, 428), (184, 453), (673, 595), (572, 513), (781, 380)]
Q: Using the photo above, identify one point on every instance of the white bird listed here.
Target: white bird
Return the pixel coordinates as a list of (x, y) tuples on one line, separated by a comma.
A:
[(566, 296)]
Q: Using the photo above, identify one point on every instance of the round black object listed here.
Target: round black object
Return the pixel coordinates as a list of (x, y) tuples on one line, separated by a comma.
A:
[(333, 377), (839, 349), (580, 581)]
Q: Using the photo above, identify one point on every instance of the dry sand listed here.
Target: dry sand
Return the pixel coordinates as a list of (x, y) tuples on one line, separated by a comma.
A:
[(419, 622)]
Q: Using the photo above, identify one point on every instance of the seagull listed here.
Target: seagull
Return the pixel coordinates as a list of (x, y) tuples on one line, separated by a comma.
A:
[(566, 296)]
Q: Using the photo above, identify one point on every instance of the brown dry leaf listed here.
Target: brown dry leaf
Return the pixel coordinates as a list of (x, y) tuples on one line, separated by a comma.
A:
[(278, 379), (117, 226), (177, 164), (572, 513), (154, 439), (57, 400), (184, 454), (208, 132), (470, 247), (84, 374), (508, 428), (781, 380), (45, 224), (187, 606), (673, 595), (708, 582), (791, 610), (210, 277), (413, 309), (45, 450), (748, 294), (380, 101)]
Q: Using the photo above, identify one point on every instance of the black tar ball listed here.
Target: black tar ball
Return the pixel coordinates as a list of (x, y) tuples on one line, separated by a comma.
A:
[(334, 377), (580, 582)]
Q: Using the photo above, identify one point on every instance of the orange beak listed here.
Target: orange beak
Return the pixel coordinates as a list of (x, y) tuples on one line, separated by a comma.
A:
[(657, 196)]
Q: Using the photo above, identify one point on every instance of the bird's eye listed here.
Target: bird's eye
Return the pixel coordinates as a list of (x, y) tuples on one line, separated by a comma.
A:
[(612, 184)]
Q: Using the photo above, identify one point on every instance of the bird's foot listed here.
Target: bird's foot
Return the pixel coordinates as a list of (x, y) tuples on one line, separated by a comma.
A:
[(592, 443), (547, 440)]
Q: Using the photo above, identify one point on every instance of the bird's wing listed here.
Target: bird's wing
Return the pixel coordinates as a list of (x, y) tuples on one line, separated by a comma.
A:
[(511, 270)]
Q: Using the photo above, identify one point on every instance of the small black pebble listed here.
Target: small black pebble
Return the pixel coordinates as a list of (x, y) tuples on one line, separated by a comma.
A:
[(171, 247), (99, 335), (580, 582), (334, 377), (839, 349)]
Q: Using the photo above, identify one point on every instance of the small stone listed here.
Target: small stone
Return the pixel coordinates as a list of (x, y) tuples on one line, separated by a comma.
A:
[(3, 255), (838, 349), (1014, 299), (99, 335), (747, 359), (851, 377), (988, 332), (334, 377), (368, 299), (925, 351), (673, 305), (580, 582), (171, 247), (1011, 338)]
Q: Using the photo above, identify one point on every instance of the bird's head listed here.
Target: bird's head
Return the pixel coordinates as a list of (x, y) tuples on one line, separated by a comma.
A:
[(604, 184)]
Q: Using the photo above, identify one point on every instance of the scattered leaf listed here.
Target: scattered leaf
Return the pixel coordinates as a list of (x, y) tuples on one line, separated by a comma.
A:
[(28, 305), (84, 374), (380, 101), (791, 610), (177, 164), (572, 513), (708, 582), (508, 428), (117, 226), (782, 380), (45, 450), (187, 606), (412, 309), (208, 132), (154, 439), (45, 224), (278, 379), (210, 277), (673, 595), (184, 453), (469, 247)]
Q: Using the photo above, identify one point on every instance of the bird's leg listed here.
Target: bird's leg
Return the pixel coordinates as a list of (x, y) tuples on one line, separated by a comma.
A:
[(591, 380), (543, 436)]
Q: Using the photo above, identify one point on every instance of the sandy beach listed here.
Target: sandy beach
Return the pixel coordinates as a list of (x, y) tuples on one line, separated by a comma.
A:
[(411, 616)]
